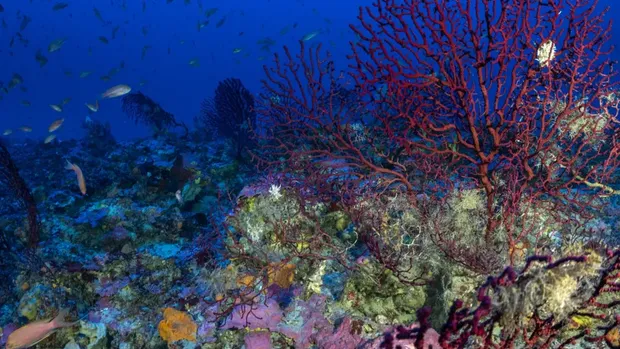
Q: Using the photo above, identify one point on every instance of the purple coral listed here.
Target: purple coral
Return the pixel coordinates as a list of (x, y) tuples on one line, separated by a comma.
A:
[(304, 323), (261, 315), (345, 336)]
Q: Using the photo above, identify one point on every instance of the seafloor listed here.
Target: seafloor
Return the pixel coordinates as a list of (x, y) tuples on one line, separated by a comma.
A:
[(141, 267)]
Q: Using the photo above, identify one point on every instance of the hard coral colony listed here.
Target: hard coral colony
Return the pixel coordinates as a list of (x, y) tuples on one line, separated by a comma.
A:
[(455, 187)]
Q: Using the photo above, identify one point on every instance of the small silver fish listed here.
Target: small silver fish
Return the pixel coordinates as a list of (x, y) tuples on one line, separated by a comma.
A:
[(55, 125), (179, 197), (93, 107), (56, 45), (311, 35), (116, 91)]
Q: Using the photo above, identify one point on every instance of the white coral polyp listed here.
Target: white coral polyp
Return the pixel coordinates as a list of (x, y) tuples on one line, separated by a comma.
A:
[(274, 191), (546, 53)]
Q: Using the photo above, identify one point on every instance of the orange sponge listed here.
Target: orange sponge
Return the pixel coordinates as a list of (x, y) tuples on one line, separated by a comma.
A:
[(177, 325), (281, 274)]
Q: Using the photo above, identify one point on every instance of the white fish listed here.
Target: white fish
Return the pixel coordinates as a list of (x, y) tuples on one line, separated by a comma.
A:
[(49, 138), (311, 35), (179, 196), (56, 45), (56, 107), (116, 91), (93, 107)]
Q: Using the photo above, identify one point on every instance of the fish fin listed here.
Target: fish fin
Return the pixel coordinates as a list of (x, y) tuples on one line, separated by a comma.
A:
[(59, 320), (69, 165), (40, 340)]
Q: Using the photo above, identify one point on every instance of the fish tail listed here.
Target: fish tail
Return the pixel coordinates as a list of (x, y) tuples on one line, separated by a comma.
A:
[(69, 166), (59, 320)]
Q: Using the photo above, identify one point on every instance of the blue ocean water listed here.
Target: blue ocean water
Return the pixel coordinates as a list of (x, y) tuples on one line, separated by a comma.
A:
[(170, 33)]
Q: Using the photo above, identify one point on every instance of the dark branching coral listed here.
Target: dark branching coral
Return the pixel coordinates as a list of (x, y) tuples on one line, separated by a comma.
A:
[(142, 109), (98, 138), (15, 185), (230, 114), (547, 304)]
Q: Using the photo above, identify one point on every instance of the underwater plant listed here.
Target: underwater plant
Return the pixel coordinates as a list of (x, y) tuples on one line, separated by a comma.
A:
[(230, 114), (517, 99), (143, 109)]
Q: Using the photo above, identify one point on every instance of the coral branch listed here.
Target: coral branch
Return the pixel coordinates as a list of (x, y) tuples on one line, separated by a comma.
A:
[(514, 98), (537, 307), (142, 109), (230, 114)]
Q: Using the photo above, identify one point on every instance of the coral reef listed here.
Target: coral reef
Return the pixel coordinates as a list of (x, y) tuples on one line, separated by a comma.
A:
[(376, 213), (532, 307), (271, 267)]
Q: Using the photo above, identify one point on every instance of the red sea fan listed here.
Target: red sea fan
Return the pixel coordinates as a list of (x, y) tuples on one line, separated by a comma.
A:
[(497, 89), (516, 99)]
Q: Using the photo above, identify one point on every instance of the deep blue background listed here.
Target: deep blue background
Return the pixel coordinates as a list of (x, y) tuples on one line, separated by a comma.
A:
[(171, 81)]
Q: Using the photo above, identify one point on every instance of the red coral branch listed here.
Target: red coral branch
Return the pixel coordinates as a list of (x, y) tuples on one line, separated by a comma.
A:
[(472, 81)]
